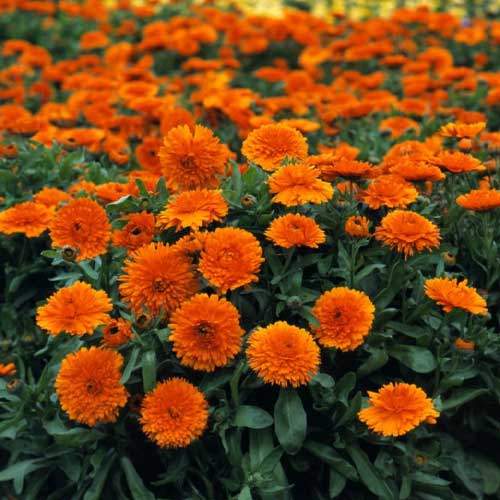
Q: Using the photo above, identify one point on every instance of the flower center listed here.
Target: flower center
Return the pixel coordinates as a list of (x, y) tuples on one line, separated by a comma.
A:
[(93, 387), (136, 231), (173, 413), (188, 162), (159, 285), (204, 328)]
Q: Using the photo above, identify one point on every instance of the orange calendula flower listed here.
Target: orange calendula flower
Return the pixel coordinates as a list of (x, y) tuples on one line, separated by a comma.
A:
[(345, 317), (269, 145), (139, 231), (398, 125), (349, 168), (194, 209), (88, 386), (77, 309), (283, 354), (157, 277), (407, 231), (457, 162), (117, 332), (29, 218), (231, 258), (462, 130), (464, 345), (7, 369), (389, 191), (450, 294), (174, 413), (417, 171), (82, 224), (192, 159), (480, 200), (292, 230), (51, 197), (357, 226), (296, 184), (206, 332), (397, 409)]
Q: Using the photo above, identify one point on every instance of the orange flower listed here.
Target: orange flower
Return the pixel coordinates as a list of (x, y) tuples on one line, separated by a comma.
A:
[(8, 369), (348, 168), (29, 218), (283, 354), (417, 171), (480, 199), (82, 224), (174, 413), (116, 333), (464, 344), (389, 191), (398, 125), (462, 130), (450, 294), (457, 162), (77, 309), (397, 409), (231, 257), (206, 333), (157, 277), (194, 209), (51, 197), (407, 231), (295, 230), (345, 317), (88, 386), (298, 183), (192, 160), (357, 226), (139, 231), (269, 145)]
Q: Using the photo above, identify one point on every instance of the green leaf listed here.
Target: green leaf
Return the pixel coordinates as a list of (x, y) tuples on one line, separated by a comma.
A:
[(290, 421), (149, 370), (328, 455), (461, 396), (21, 469), (324, 380), (419, 359), (130, 367), (271, 461), (336, 484), (135, 484), (261, 444), (344, 387), (245, 494), (490, 472), (378, 358), (252, 417), (95, 490)]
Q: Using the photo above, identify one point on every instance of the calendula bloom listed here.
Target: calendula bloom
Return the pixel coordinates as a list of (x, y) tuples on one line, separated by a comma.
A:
[(480, 200), (357, 226), (389, 191), (137, 232), (7, 369), (82, 224), (348, 168), (464, 345), (345, 318), (157, 277), (174, 413), (292, 230), (407, 232), (457, 162), (283, 354), (398, 125), (51, 197), (450, 294), (206, 332), (462, 130), (269, 145), (117, 332), (88, 385), (417, 171), (29, 218), (194, 209), (298, 183), (231, 257), (192, 159), (76, 309), (397, 409)]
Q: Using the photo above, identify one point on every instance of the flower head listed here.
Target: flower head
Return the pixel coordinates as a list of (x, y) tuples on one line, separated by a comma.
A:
[(77, 309), (117, 332), (51, 197), (29, 218), (292, 230), (389, 191), (7, 369), (283, 354), (88, 385), (480, 200), (457, 162), (345, 317), (137, 232), (357, 226), (174, 413), (397, 409)]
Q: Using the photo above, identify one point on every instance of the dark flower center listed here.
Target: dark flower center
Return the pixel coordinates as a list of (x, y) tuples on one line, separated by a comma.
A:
[(93, 387)]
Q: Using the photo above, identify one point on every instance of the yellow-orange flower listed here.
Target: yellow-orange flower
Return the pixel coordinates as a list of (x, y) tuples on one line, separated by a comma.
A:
[(283, 354), (457, 162), (7, 369), (462, 130), (357, 226), (137, 232), (417, 170), (398, 125), (192, 159), (389, 191), (51, 197), (464, 345), (450, 294), (292, 230), (269, 145), (117, 332), (88, 386), (397, 409), (82, 224), (480, 200), (29, 218), (299, 183), (206, 332), (174, 413), (157, 277), (345, 317), (194, 209), (407, 231), (77, 309), (231, 258)]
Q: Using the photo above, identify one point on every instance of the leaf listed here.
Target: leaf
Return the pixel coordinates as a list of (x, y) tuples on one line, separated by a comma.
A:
[(271, 461), (461, 396), (135, 484), (324, 380), (490, 472), (21, 469), (328, 455), (252, 417), (290, 421), (245, 494), (149, 370), (212, 381), (261, 444), (95, 490), (419, 359), (336, 484), (344, 387), (378, 358), (130, 366)]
